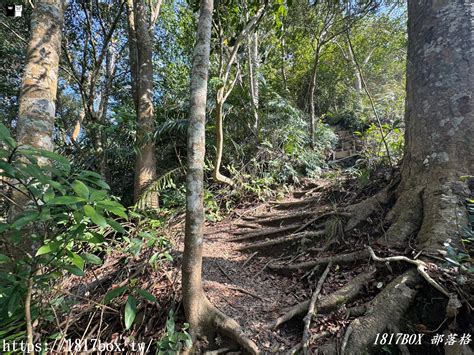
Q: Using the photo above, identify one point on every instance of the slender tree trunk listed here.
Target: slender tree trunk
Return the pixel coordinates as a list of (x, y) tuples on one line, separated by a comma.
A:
[(110, 67), (193, 295), (219, 117), (283, 60), (204, 319), (358, 79), (254, 66), (439, 124), (141, 63), (311, 93)]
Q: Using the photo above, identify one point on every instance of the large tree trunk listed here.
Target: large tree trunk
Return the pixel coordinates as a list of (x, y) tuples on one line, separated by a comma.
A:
[(37, 105), (439, 124), (132, 51), (37, 108), (40, 79), (141, 62), (204, 319)]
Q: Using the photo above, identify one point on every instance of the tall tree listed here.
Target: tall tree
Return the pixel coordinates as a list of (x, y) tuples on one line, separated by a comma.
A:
[(202, 316), (85, 61), (227, 59), (141, 22), (439, 122), (439, 126), (253, 63), (37, 105)]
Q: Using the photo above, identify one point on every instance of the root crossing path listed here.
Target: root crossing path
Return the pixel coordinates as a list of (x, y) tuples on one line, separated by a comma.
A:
[(239, 253)]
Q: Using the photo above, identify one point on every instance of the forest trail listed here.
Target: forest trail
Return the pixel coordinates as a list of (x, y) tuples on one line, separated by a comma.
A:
[(239, 282)]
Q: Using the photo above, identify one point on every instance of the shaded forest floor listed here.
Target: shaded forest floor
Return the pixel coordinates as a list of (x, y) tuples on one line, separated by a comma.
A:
[(261, 265), (239, 258)]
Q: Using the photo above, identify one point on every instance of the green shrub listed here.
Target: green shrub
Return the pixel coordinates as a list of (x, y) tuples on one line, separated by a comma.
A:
[(56, 230)]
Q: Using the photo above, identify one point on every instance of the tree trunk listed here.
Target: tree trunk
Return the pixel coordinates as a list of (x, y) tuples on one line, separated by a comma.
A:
[(254, 64), (219, 117), (439, 124), (40, 79), (110, 69), (141, 62), (283, 59), (202, 316), (193, 295), (311, 92), (37, 105), (132, 51)]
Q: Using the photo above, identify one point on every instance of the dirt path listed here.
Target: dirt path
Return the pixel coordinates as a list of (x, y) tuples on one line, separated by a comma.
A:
[(239, 283)]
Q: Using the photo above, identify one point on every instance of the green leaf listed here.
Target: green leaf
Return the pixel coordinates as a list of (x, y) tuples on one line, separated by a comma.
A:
[(24, 218), (4, 259), (4, 227), (80, 189), (147, 295), (98, 195), (74, 270), (13, 303), (91, 258), (48, 195), (118, 211), (8, 170), (96, 217), (48, 248), (76, 259), (56, 185), (114, 293), (115, 225), (66, 200), (6, 137), (130, 311), (50, 155)]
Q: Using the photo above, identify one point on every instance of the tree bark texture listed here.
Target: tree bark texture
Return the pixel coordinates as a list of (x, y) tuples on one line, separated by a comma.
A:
[(37, 105), (311, 93), (193, 294), (204, 319), (141, 63), (254, 66), (439, 124)]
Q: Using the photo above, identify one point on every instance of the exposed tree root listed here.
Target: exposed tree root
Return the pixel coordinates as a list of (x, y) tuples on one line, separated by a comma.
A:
[(343, 258), (230, 328), (362, 210), (247, 225), (329, 302), (405, 218), (286, 217), (318, 218), (263, 232), (312, 309), (283, 240), (421, 266), (385, 309), (295, 350), (298, 203), (211, 320)]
